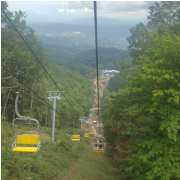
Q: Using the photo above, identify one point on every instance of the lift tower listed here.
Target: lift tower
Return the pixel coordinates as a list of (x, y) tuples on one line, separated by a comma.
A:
[(53, 95)]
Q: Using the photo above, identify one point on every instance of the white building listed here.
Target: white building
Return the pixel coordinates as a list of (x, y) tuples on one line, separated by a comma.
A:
[(107, 73)]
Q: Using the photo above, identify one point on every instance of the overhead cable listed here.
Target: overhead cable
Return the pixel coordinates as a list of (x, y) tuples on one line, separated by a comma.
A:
[(96, 44), (37, 58), (28, 88), (37, 101)]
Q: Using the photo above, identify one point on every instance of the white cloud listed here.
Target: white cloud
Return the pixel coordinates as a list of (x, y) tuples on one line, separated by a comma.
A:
[(72, 10), (61, 10), (126, 10), (86, 9)]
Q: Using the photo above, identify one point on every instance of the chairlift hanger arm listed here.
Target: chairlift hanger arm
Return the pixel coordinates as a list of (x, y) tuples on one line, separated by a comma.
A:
[(16, 105), (25, 139)]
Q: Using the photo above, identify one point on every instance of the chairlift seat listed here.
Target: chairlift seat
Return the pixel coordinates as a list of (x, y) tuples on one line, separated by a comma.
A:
[(86, 135), (29, 139), (98, 150), (98, 142), (25, 149), (75, 138), (25, 142)]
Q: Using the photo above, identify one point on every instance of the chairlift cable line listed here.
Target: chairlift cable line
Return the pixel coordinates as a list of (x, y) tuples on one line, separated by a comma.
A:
[(37, 58), (27, 87), (96, 43), (47, 105)]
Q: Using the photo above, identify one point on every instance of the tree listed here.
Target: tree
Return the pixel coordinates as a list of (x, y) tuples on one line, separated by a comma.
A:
[(146, 115), (165, 14), (163, 17), (157, 86), (137, 41), (119, 81), (19, 66)]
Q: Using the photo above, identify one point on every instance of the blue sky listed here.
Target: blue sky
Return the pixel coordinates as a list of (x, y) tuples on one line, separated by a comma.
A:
[(58, 11)]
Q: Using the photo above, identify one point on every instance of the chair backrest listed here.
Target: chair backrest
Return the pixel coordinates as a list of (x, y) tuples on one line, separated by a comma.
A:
[(86, 135), (75, 136), (27, 139)]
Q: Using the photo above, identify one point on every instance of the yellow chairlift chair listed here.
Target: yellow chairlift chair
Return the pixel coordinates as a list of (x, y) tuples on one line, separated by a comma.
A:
[(25, 142), (98, 144), (86, 134), (75, 138)]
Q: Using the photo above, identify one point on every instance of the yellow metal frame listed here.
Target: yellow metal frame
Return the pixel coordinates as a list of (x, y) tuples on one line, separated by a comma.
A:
[(98, 150), (25, 149), (29, 139), (75, 138), (86, 135), (25, 139), (97, 141)]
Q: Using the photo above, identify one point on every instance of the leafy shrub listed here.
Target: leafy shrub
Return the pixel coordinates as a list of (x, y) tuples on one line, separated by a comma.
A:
[(66, 145)]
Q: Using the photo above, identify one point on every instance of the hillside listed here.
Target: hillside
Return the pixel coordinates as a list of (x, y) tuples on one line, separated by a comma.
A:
[(67, 55), (82, 35), (107, 27), (107, 57), (62, 159), (139, 110)]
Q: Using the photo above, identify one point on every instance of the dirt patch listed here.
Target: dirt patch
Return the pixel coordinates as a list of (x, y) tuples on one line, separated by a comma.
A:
[(103, 81), (86, 126)]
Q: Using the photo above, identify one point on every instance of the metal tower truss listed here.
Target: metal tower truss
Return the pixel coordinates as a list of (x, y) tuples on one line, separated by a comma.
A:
[(54, 95)]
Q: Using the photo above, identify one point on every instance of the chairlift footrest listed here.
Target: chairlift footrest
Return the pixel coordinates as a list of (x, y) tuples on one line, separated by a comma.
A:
[(25, 149), (75, 139), (98, 150)]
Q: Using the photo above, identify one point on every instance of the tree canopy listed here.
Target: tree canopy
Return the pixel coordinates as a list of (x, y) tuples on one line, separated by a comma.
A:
[(143, 116), (163, 17), (21, 71)]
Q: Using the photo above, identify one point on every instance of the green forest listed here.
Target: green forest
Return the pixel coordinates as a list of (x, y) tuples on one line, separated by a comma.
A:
[(22, 72), (141, 113), (140, 107)]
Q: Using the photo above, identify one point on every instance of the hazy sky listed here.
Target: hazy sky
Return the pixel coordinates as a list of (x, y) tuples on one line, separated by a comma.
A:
[(69, 10)]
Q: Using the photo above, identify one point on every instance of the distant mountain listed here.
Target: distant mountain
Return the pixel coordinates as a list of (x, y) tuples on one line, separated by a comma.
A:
[(109, 35), (85, 60), (81, 41), (101, 21), (80, 32), (61, 28), (106, 27), (33, 18)]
